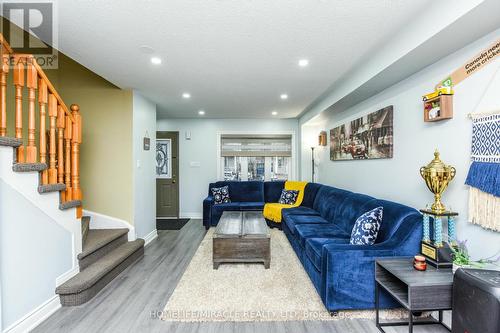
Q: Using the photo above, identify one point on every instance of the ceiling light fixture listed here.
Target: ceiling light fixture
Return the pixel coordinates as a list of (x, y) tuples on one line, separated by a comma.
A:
[(274, 113), (303, 62), (201, 112), (156, 61), (186, 95), (284, 96)]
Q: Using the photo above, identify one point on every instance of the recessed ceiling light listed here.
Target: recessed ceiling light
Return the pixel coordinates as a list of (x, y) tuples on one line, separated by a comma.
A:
[(284, 96), (303, 62), (186, 95), (201, 112), (274, 113), (156, 61)]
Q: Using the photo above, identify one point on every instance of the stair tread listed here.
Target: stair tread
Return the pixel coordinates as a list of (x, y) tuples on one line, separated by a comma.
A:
[(70, 204), (29, 167), (92, 274), (98, 238), (10, 142), (51, 188)]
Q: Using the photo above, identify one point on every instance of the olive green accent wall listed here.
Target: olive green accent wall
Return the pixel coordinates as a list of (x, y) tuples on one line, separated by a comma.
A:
[(106, 152)]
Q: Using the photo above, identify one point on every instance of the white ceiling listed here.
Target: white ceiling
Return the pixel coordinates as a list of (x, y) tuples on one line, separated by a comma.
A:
[(235, 57)]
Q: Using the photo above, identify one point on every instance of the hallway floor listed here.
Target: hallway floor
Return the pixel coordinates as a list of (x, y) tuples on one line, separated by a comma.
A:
[(129, 302)]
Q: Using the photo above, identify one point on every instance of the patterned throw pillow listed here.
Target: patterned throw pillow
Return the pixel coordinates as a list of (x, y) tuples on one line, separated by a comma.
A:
[(221, 195), (366, 227), (288, 197)]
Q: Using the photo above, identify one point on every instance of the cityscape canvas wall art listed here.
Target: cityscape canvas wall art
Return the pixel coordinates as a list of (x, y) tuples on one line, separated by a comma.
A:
[(367, 137)]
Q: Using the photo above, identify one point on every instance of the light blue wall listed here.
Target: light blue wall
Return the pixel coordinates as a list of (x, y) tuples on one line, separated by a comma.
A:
[(144, 163), (34, 251), (398, 178), (202, 148)]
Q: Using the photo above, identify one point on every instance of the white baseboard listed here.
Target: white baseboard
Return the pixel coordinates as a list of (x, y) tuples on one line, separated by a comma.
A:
[(191, 215), (150, 237), (35, 317), (66, 276)]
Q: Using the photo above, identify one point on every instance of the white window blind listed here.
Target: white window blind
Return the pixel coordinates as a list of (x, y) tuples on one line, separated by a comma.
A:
[(255, 145)]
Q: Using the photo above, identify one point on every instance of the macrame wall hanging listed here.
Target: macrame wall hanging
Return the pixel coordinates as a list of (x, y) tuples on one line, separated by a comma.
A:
[(484, 172)]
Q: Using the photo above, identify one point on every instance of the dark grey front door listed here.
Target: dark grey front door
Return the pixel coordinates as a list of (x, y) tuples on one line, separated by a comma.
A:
[(167, 174)]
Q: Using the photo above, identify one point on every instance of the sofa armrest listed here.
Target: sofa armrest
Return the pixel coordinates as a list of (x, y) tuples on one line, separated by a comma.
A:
[(207, 208), (348, 271)]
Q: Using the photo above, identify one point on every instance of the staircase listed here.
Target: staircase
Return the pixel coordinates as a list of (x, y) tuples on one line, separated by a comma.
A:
[(52, 150), (106, 253)]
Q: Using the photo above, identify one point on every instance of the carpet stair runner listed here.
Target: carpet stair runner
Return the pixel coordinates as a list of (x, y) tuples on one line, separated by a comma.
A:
[(105, 254)]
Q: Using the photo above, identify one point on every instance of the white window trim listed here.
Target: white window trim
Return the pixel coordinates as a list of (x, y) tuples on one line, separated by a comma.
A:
[(293, 173)]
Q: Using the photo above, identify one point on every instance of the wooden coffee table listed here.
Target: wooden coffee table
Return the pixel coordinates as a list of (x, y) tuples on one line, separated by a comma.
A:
[(242, 237)]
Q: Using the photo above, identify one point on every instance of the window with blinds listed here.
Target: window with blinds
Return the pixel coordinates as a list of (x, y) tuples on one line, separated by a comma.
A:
[(256, 157)]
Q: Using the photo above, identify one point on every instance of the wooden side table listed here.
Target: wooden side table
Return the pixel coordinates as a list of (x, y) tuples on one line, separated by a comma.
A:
[(416, 291)]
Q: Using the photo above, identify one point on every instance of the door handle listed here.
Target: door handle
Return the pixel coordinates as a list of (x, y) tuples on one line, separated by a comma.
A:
[(173, 181)]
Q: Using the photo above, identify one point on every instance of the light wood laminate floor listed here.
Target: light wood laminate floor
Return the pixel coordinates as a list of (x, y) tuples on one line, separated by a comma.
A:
[(125, 305)]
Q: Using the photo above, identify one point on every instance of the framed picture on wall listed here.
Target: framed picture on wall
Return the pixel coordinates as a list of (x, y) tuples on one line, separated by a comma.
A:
[(367, 137)]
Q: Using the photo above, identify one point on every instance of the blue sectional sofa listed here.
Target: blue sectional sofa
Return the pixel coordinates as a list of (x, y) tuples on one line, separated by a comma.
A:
[(319, 232)]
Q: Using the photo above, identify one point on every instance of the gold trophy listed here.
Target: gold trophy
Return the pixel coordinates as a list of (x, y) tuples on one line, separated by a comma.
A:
[(437, 176), (434, 247)]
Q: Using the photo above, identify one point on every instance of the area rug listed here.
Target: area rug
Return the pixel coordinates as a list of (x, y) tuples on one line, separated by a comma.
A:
[(249, 292)]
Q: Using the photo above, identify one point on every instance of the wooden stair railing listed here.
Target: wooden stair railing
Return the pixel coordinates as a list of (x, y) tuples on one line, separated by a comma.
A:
[(64, 125)]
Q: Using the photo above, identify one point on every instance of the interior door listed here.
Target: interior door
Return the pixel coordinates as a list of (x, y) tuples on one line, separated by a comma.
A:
[(167, 174)]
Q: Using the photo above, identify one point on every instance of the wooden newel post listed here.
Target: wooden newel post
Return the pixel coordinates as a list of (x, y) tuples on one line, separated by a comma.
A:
[(4, 71), (68, 135), (19, 84), (75, 156)]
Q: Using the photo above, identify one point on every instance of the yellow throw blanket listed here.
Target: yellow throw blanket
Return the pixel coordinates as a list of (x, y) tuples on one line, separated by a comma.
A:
[(272, 211)]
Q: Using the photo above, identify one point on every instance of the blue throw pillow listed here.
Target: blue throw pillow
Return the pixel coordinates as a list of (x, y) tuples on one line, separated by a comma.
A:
[(288, 197), (366, 227), (221, 195)]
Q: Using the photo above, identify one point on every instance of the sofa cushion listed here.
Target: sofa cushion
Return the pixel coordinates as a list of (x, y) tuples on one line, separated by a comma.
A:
[(394, 214), (221, 195), (301, 210), (217, 210), (248, 191), (272, 190), (366, 227), (288, 197), (330, 230), (293, 220), (352, 207), (314, 246), (252, 205), (310, 194), (327, 200)]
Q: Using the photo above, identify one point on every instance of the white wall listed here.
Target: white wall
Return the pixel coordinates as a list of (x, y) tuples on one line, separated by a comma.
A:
[(398, 178), (34, 252), (202, 148), (144, 123)]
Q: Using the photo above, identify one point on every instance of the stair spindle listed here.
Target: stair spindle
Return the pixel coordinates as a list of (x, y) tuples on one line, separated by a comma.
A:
[(75, 156), (42, 101), (31, 84), (68, 135), (19, 84), (61, 124), (52, 139), (4, 68)]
